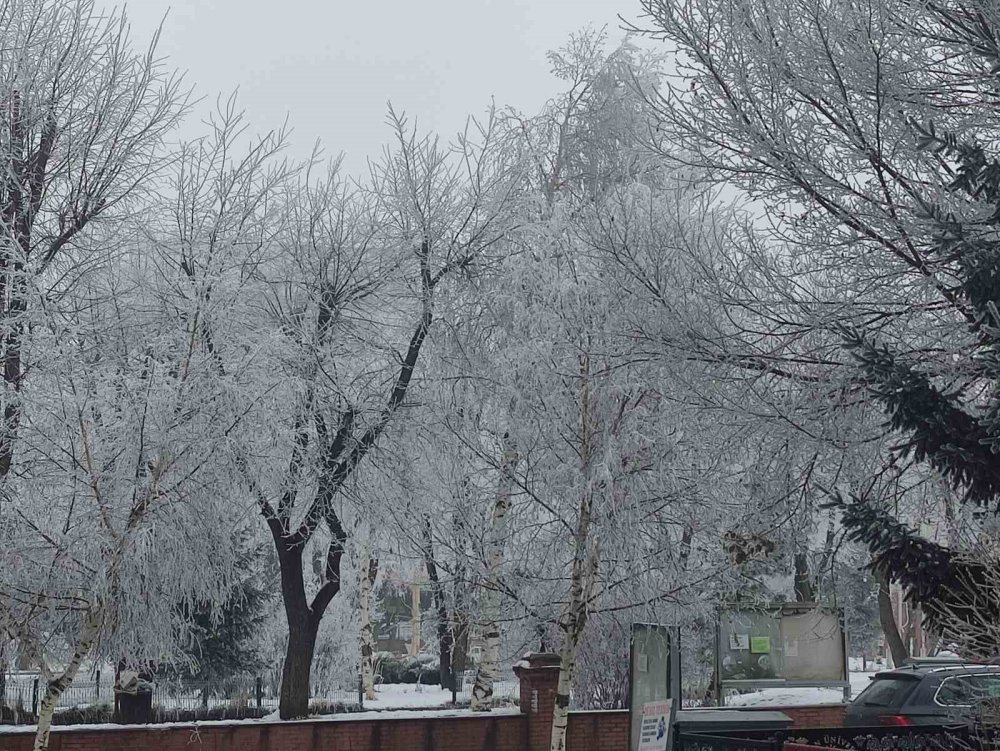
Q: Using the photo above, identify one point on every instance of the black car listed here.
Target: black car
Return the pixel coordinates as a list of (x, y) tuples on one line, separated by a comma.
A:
[(931, 693)]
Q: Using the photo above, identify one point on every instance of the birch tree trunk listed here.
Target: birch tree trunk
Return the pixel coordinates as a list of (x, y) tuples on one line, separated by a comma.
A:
[(583, 574), (489, 666), (573, 622), (368, 572), (574, 619), (55, 687)]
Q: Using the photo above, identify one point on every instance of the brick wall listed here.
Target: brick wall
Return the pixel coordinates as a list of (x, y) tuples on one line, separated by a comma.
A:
[(819, 716), (493, 732), (527, 730), (597, 731), (588, 731)]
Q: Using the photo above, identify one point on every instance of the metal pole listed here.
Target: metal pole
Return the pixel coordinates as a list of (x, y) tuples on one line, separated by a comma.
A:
[(361, 690), (34, 697), (260, 692)]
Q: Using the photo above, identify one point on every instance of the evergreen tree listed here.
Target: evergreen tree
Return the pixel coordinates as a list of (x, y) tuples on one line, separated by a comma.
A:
[(948, 408), (223, 635)]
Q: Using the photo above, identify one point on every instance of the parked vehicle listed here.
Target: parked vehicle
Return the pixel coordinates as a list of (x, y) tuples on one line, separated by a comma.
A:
[(928, 692)]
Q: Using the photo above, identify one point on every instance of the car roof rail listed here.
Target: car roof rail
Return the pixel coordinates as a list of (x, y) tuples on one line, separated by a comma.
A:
[(931, 661)]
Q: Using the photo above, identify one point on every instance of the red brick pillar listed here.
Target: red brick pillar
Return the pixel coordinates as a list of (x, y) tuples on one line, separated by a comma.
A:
[(538, 674)]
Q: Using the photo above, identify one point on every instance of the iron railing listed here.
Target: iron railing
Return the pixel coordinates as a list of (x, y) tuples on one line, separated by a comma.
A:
[(92, 699), (910, 738)]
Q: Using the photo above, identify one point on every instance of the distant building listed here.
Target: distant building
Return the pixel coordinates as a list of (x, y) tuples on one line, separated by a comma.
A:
[(402, 607), (400, 628)]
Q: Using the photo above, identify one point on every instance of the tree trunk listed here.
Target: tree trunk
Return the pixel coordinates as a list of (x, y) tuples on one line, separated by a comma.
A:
[(368, 571), (897, 649), (460, 599), (460, 649), (446, 640), (294, 699), (685, 547), (445, 647), (55, 688), (302, 627), (574, 620), (489, 666), (583, 576), (916, 625), (711, 697), (567, 671), (933, 641), (803, 583)]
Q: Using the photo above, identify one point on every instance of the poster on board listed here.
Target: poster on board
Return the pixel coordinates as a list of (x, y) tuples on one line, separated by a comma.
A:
[(655, 728), (654, 680)]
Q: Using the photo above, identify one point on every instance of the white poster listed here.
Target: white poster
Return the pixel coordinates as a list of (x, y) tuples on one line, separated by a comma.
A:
[(739, 642), (654, 732)]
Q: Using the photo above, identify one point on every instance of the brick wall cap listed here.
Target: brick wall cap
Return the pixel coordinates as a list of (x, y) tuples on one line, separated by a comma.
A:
[(775, 707)]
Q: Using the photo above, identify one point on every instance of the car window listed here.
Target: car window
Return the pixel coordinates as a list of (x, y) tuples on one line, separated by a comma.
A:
[(890, 691), (966, 690)]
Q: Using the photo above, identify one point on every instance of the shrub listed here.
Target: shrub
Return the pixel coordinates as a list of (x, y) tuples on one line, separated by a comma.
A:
[(422, 669), (232, 711), (323, 707), (89, 715)]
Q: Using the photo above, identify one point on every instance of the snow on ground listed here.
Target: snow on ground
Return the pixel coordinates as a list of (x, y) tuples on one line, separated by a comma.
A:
[(412, 696), (791, 697), (857, 665), (408, 695), (399, 714), (404, 699)]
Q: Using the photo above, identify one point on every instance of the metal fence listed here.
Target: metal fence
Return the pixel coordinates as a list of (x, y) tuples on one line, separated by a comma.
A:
[(92, 698), (915, 738), (24, 691)]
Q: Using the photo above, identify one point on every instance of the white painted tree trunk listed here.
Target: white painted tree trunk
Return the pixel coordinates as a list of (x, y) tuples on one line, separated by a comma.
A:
[(368, 570), (489, 626), (55, 687)]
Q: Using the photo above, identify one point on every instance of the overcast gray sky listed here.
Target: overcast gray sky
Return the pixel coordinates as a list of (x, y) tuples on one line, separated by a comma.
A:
[(332, 66)]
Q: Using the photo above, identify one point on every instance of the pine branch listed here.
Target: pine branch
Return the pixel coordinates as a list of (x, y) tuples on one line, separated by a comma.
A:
[(957, 594), (941, 431)]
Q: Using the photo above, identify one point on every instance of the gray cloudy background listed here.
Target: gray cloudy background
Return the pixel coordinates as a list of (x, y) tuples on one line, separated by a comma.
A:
[(332, 66)]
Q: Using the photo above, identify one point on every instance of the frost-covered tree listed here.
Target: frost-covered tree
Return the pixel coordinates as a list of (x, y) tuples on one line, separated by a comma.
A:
[(121, 506), (84, 118), (863, 132), (590, 480), (357, 276), (85, 114)]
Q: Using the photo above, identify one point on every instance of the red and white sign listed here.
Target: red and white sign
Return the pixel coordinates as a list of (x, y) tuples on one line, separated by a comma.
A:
[(654, 732)]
